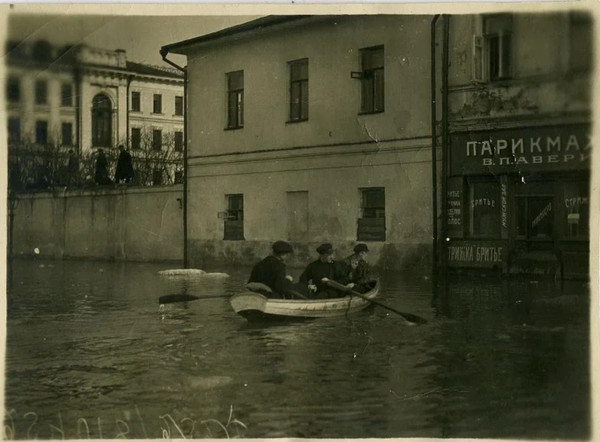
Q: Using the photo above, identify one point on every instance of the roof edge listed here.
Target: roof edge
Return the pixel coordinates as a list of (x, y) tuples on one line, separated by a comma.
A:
[(258, 23)]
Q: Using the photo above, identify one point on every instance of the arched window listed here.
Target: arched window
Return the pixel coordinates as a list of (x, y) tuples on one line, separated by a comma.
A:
[(101, 121)]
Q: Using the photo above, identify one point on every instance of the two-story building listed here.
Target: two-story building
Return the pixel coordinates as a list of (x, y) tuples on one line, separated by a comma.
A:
[(519, 124), (310, 129), (82, 98)]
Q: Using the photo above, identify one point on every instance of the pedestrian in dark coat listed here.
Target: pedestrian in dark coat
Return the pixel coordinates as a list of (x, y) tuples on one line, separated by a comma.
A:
[(359, 271), (271, 271), (72, 169), (124, 169), (101, 174), (325, 267)]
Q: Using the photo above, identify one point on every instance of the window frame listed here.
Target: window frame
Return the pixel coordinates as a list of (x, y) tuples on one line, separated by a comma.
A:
[(13, 89), (38, 128), (178, 140), (483, 53), (10, 122), (469, 186), (238, 94), (370, 78), (69, 141), (157, 141), (157, 104), (371, 227), (233, 224), (41, 92), (136, 101), (298, 111), (179, 105), (136, 144), (66, 99)]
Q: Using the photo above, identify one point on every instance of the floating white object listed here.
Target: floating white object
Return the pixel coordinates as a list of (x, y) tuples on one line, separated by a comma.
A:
[(192, 272), (179, 272), (36, 251)]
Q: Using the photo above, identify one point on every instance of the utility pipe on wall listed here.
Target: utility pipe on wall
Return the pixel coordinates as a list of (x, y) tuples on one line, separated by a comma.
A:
[(445, 140), (164, 52), (434, 153)]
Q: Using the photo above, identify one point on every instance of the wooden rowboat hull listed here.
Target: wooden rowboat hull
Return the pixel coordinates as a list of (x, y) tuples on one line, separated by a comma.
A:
[(253, 305)]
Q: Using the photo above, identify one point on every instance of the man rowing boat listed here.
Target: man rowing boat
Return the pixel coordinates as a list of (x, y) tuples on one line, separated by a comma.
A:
[(271, 271), (325, 267), (358, 269)]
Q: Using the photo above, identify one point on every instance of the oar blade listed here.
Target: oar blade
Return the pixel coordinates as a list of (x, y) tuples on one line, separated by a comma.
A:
[(177, 297)]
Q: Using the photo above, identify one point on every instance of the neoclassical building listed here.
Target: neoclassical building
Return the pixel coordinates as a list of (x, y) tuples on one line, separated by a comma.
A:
[(82, 98)]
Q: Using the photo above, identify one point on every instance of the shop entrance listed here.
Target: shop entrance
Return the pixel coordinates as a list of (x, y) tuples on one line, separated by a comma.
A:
[(535, 221)]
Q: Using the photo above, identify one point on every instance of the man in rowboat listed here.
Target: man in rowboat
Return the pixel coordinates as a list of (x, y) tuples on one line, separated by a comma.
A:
[(325, 267), (271, 271), (358, 269)]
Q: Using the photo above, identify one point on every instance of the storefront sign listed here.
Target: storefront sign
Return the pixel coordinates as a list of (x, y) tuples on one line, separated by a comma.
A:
[(454, 193), (526, 150), (476, 253)]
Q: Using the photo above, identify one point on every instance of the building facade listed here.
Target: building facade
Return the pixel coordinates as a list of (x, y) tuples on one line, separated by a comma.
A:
[(83, 98), (310, 129), (519, 155)]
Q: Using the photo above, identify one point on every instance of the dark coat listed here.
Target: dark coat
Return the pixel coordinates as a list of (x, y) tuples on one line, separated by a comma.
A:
[(124, 169), (318, 269), (361, 273), (101, 175), (271, 271)]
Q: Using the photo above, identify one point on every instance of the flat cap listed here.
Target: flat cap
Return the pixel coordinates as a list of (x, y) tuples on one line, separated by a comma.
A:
[(281, 247), (360, 248), (325, 249)]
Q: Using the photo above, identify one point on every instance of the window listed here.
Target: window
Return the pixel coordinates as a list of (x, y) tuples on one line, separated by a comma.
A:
[(101, 121), (372, 80), (14, 130), (179, 106), (157, 139), (371, 224), (41, 132), (492, 52), (178, 141), (13, 89), (157, 177), (178, 177), (66, 95), (484, 209), (576, 210), (235, 100), (135, 101), (67, 134), (136, 138), (157, 104), (234, 224), (299, 90), (580, 40), (41, 92)]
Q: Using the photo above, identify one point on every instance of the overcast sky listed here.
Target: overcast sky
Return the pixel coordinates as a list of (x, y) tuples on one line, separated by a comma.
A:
[(140, 36)]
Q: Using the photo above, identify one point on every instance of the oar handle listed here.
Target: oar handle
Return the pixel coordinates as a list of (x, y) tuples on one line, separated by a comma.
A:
[(409, 317)]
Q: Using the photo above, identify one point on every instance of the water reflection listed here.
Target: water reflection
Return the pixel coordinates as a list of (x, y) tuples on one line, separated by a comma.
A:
[(92, 349)]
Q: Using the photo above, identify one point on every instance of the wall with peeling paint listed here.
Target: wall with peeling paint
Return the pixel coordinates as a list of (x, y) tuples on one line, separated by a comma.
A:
[(134, 224), (542, 88)]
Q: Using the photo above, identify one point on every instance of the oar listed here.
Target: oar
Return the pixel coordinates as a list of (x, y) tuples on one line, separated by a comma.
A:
[(181, 297), (408, 316)]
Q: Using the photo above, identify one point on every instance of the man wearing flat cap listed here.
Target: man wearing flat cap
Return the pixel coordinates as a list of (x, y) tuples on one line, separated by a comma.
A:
[(271, 271), (358, 269), (324, 267)]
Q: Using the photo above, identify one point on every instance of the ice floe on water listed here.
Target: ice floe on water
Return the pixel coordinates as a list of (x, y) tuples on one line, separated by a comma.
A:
[(192, 272)]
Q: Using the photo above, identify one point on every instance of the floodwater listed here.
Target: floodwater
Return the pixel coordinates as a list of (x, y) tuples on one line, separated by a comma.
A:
[(89, 354)]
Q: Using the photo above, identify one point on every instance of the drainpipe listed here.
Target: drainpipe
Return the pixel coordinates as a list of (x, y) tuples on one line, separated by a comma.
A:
[(164, 52), (78, 105), (434, 156), (445, 140), (129, 80)]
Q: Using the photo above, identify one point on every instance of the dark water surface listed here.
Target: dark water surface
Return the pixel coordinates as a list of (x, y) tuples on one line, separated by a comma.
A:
[(90, 354)]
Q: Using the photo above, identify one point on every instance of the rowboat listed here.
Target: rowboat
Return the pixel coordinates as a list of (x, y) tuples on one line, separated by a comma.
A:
[(252, 305)]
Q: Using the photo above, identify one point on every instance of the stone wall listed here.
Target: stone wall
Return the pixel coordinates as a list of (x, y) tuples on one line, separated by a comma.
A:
[(133, 224)]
